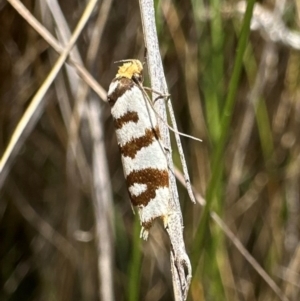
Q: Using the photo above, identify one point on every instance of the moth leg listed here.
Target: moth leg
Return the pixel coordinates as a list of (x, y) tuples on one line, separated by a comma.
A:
[(160, 95), (165, 96), (167, 149)]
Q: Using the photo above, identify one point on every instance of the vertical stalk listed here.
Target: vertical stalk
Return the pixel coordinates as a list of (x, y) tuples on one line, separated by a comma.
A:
[(225, 123)]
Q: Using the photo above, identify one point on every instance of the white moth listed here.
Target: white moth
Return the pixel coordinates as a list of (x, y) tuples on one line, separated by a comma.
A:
[(143, 157)]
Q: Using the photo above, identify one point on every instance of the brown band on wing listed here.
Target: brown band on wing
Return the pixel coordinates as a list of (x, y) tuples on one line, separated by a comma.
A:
[(129, 116), (124, 84), (131, 148), (153, 178), (147, 224)]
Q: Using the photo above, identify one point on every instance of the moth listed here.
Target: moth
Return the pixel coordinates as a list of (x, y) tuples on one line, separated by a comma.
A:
[(142, 152)]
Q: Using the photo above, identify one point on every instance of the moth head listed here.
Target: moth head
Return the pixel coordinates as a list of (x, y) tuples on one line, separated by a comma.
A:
[(132, 69)]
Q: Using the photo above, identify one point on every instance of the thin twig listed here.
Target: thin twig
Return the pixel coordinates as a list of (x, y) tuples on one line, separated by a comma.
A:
[(102, 194), (103, 205), (63, 34), (181, 154)]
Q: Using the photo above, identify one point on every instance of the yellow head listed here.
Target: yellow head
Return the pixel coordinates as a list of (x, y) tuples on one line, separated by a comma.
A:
[(131, 69)]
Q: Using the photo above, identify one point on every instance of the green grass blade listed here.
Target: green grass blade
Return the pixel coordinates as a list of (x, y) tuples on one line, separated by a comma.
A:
[(225, 123)]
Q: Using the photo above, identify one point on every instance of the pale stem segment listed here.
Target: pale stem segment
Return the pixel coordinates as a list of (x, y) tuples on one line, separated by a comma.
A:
[(180, 263)]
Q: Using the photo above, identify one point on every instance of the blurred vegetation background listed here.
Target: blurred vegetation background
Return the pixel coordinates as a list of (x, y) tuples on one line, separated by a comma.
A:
[(67, 230)]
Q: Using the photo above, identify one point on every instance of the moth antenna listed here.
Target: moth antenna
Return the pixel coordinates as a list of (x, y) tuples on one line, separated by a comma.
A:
[(124, 61)]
